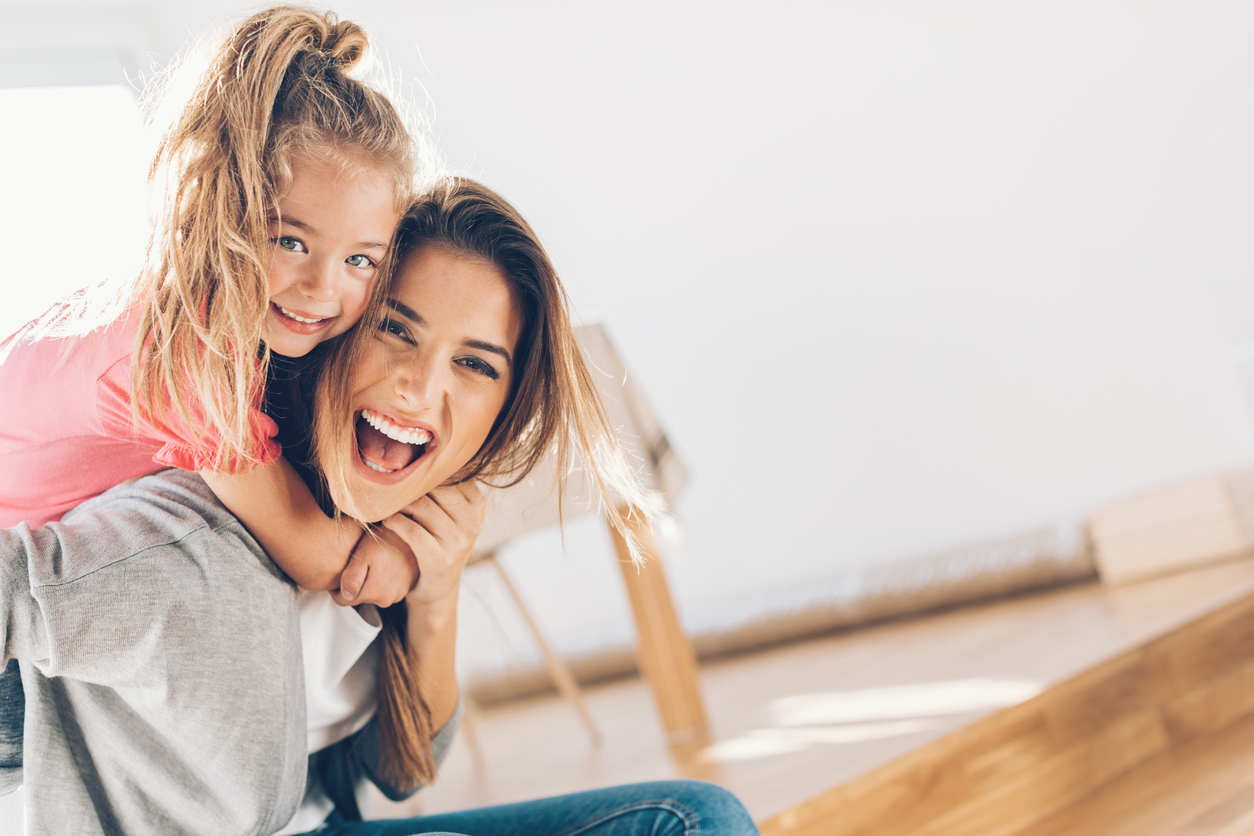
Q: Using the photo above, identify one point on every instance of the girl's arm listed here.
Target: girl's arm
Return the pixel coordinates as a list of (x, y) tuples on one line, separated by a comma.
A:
[(277, 508)]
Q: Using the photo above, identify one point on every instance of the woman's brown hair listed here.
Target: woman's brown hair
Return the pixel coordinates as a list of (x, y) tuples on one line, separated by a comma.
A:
[(553, 409), (278, 86)]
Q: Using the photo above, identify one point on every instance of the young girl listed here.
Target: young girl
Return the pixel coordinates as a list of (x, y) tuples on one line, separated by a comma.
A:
[(280, 182)]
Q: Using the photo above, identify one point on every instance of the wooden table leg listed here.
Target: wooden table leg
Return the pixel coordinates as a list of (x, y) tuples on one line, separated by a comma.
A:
[(562, 677), (664, 653)]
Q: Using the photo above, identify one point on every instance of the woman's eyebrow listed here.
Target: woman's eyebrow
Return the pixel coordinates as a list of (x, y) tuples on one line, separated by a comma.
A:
[(492, 347), (405, 310), (411, 314)]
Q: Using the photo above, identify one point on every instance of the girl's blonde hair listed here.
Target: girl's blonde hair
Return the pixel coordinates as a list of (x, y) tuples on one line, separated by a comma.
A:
[(278, 86), (553, 409)]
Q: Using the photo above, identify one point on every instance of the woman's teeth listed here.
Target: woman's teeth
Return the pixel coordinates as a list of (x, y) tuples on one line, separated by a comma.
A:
[(375, 467), (298, 317), (405, 435)]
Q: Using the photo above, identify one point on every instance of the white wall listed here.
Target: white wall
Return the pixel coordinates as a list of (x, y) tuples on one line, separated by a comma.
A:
[(896, 276)]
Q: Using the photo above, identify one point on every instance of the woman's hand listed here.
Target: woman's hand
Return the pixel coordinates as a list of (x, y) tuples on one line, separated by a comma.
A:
[(440, 529)]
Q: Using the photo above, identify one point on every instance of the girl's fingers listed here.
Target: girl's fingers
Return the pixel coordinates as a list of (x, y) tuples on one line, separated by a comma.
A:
[(352, 579)]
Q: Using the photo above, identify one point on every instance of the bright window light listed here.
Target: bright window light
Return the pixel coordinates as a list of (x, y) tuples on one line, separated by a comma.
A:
[(72, 176)]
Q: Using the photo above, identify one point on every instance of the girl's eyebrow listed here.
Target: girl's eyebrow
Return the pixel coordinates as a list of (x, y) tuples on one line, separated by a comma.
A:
[(410, 314), (301, 225), (290, 221)]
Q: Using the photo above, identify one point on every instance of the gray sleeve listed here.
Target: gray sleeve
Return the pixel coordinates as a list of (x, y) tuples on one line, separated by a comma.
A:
[(84, 599), (151, 618), (21, 630), (15, 606), (356, 757), (11, 718), (66, 605)]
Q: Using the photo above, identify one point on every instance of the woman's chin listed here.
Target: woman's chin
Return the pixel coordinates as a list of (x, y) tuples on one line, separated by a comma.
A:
[(382, 492)]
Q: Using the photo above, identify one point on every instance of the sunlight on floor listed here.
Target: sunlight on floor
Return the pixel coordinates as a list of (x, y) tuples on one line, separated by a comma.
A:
[(806, 720)]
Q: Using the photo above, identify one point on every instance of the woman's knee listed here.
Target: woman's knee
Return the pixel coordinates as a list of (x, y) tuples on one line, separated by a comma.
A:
[(714, 810)]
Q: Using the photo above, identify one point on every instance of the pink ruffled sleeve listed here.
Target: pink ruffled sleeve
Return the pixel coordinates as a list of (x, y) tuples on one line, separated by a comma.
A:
[(187, 446)]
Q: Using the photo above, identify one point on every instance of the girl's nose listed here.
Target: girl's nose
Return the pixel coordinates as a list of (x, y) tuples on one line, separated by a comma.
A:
[(318, 280)]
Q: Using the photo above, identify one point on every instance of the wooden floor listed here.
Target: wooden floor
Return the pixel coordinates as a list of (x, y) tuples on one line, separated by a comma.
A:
[(790, 725), (1205, 787)]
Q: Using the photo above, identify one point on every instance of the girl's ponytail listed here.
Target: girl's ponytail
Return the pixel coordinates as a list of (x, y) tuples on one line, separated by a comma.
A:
[(277, 86)]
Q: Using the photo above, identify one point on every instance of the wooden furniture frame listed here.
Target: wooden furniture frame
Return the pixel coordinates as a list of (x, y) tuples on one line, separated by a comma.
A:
[(664, 653)]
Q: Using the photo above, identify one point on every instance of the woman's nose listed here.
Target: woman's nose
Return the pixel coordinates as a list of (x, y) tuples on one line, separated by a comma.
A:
[(423, 381)]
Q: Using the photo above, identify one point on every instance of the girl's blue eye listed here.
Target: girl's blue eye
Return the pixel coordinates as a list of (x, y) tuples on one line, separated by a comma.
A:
[(482, 367), (359, 261), (289, 243)]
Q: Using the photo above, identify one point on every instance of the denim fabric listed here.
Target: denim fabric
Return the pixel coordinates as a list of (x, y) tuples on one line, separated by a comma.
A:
[(657, 808)]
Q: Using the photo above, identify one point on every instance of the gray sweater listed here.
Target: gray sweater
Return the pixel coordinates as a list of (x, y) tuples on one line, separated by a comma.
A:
[(160, 655)]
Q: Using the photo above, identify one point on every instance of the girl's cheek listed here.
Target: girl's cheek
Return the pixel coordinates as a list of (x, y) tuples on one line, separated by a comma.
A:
[(355, 304)]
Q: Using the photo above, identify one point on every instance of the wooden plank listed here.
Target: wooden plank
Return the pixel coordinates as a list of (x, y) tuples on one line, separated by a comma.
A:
[(1011, 769), (1202, 788)]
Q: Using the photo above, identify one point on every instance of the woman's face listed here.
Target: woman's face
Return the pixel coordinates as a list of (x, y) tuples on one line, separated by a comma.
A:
[(433, 381)]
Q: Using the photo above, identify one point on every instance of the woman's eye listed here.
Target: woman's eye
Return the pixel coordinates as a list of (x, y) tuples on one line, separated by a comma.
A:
[(359, 261), (396, 329), (289, 243), (481, 366)]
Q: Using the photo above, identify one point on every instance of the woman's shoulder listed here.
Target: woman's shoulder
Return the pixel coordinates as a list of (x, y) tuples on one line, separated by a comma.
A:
[(175, 501), (170, 517)]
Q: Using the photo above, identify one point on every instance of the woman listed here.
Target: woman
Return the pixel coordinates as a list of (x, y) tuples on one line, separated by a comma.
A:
[(471, 373)]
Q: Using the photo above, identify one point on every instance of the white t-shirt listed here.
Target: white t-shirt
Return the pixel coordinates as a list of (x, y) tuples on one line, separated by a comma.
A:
[(340, 655)]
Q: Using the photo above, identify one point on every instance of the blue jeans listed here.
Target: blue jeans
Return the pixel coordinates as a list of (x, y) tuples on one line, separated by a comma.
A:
[(656, 808)]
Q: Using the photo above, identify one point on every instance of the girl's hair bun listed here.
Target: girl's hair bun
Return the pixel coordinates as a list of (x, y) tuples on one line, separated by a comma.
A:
[(345, 43)]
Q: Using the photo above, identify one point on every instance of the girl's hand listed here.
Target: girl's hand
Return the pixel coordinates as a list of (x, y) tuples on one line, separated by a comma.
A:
[(381, 571), (441, 529)]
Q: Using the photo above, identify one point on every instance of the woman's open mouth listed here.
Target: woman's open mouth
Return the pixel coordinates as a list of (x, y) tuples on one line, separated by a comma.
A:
[(386, 447)]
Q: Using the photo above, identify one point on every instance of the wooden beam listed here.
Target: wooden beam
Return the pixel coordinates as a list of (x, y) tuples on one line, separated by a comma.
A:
[(664, 653)]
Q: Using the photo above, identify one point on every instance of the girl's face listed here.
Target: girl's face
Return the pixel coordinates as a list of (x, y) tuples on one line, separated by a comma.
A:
[(334, 226), (432, 382)]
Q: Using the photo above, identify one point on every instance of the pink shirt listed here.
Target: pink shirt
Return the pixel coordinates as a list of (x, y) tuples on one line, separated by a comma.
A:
[(66, 432)]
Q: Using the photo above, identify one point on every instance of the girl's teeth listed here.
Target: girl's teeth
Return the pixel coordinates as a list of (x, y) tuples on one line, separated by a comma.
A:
[(406, 435), (297, 317)]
